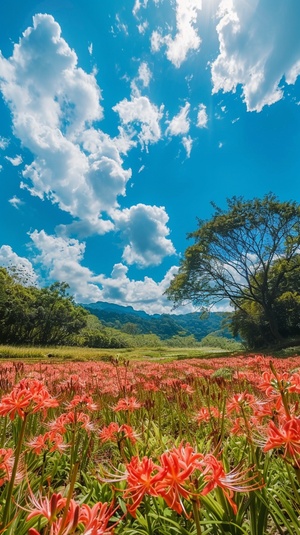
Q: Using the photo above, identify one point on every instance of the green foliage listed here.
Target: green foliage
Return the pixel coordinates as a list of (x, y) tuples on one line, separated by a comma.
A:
[(250, 320), (235, 257), (29, 315), (165, 326), (214, 340)]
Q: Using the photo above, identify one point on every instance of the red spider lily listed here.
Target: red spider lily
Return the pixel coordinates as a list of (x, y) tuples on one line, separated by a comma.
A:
[(127, 404), (287, 437), (71, 418), (240, 401), (27, 396), (109, 432), (272, 386), (95, 519), (6, 464), (83, 400), (50, 441), (178, 465), (45, 507), (128, 432), (73, 384), (295, 383), (15, 403), (113, 432), (141, 477), (206, 414), (187, 388), (234, 481), (59, 425), (50, 509)]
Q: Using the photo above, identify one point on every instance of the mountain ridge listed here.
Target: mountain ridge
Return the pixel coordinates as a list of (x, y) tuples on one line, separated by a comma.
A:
[(127, 319)]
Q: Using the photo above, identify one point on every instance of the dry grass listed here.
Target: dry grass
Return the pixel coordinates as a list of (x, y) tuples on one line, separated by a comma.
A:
[(82, 354)]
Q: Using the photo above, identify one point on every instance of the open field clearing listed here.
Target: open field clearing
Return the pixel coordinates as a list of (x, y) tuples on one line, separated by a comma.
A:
[(196, 446), (81, 354)]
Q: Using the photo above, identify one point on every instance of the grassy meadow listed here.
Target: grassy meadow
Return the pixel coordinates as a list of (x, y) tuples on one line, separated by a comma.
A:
[(148, 442), (8, 352)]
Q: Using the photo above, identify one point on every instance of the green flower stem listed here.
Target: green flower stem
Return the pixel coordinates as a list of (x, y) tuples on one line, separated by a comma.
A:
[(69, 497), (196, 517), (10, 487)]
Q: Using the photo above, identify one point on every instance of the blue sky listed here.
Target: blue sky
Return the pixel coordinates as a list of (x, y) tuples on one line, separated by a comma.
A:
[(122, 120)]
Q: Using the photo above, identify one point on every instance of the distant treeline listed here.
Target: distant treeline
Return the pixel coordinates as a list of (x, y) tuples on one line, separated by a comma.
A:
[(49, 316)]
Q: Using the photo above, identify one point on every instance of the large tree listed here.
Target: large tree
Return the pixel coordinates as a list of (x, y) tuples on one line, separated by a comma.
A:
[(233, 256), (249, 321)]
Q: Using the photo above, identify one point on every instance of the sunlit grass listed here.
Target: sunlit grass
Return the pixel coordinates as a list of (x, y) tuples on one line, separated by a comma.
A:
[(86, 353)]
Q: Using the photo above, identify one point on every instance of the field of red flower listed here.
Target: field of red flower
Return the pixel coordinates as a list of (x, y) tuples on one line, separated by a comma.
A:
[(184, 447)]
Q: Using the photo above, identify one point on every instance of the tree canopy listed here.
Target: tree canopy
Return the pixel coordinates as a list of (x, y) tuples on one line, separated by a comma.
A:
[(29, 315), (246, 254)]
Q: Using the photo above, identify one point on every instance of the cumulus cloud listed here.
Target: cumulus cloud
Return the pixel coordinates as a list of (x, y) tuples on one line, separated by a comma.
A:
[(142, 27), (145, 229), (139, 112), (137, 6), (259, 46), (17, 160), (144, 74), (142, 80), (186, 38), (4, 142), (145, 294), (15, 202), (180, 124), (202, 118), (18, 264), (187, 143), (63, 257), (54, 104)]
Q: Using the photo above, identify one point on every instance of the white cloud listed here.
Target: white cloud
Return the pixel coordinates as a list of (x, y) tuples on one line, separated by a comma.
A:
[(140, 111), (62, 259), (22, 266), (4, 142), (145, 294), (121, 27), (186, 38), (17, 160), (141, 81), (142, 27), (145, 228), (187, 143), (202, 118), (54, 104), (259, 46), (144, 74), (15, 202), (137, 6), (90, 49), (180, 124)]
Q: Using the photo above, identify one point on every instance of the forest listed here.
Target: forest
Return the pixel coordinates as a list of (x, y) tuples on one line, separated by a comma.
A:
[(49, 316)]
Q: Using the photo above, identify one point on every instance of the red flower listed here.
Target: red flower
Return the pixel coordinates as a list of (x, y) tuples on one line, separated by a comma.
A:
[(6, 464), (50, 441), (141, 479), (287, 437), (27, 396), (178, 465), (234, 481), (96, 518), (127, 404), (48, 508)]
